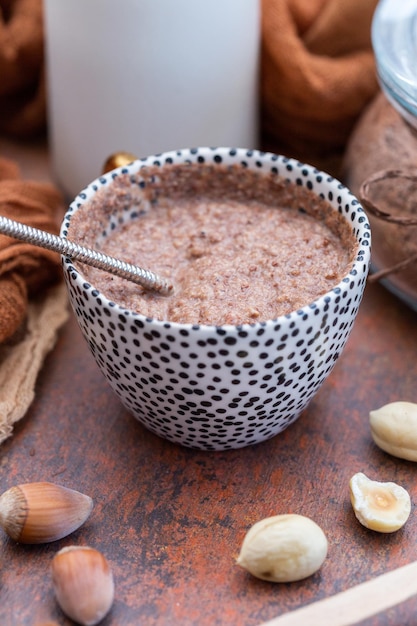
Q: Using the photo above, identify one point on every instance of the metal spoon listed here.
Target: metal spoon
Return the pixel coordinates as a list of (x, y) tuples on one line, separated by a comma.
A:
[(147, 279)]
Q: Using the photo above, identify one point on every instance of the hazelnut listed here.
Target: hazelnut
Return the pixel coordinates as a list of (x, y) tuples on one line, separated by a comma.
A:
[(283, 548), (384, 507), (394, 429), (83, 584), (42, 512)]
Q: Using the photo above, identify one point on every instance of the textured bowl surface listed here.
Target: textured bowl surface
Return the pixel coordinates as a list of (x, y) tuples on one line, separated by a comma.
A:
[(218, 388)]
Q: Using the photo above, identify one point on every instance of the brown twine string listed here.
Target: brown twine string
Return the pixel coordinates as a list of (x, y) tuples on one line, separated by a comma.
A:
[(403, 220)]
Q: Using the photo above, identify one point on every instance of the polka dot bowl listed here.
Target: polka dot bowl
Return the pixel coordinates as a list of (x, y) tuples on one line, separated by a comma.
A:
[(221, 387)]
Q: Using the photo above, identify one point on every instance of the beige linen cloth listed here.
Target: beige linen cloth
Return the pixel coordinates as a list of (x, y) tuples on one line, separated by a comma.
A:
[(20, 364)]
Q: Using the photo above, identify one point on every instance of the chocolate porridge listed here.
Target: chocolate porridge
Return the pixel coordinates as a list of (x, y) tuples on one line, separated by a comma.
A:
[(239, 246)]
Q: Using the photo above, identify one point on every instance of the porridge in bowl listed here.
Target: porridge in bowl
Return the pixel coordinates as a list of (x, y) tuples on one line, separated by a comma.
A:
[(239, 247)]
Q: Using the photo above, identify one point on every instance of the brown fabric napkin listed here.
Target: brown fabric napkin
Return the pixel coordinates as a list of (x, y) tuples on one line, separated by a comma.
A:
[(25, 270), (22, 84), (317, 74), (33, 298)]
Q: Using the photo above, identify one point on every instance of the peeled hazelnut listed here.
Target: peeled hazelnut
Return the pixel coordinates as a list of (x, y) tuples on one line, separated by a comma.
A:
[(83, 584), (42, 512), (283, 548), (394, 429), (384, 507)]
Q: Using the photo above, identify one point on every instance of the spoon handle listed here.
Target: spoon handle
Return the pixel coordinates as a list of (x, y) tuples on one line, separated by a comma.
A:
[(357, 603), (147, 279)]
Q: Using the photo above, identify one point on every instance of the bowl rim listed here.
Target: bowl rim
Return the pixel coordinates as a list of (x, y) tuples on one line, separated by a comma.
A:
[(254, 159)]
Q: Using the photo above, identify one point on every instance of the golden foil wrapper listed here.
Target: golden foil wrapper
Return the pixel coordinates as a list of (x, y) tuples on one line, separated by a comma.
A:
[(118, 159)]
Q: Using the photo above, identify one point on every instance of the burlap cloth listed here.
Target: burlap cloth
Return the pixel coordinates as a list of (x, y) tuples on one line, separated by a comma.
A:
[(20, 363), (317, 75)]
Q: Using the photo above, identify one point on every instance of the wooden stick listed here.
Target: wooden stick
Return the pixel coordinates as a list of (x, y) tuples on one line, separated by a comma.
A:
[(357, 603)]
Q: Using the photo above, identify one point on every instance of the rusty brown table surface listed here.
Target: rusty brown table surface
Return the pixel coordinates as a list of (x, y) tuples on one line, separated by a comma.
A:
[(171, 520)]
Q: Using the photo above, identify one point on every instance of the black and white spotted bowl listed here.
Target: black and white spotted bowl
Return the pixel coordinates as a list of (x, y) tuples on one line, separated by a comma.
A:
[(218, 388)]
